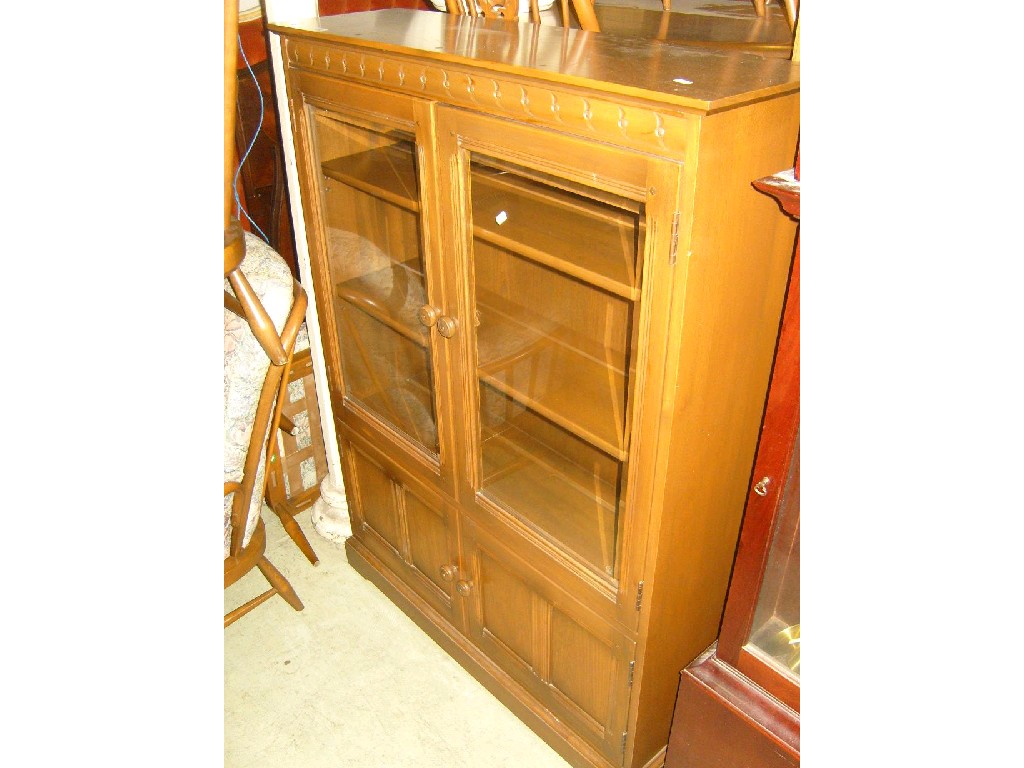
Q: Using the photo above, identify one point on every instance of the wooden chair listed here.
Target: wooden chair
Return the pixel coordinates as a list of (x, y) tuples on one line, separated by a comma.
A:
[(260, 297), (791, 7), (504, 9), (509, 9)]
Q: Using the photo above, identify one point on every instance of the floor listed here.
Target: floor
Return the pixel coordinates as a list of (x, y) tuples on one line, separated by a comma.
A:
[(351, 681)]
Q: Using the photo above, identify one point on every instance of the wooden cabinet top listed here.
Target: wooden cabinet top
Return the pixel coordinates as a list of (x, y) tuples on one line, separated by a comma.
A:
[(689, 78)]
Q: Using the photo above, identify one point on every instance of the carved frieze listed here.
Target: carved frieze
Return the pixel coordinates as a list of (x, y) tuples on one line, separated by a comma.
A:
[(632, 126)]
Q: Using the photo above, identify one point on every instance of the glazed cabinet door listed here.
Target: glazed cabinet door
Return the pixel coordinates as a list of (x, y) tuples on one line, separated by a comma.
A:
[(566, 246), (380, 297)]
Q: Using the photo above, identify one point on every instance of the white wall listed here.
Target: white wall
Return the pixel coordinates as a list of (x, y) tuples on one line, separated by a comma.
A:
[(281, 10), (330, 513)]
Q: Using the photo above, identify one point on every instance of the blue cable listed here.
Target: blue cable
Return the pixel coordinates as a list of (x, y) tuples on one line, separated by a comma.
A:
[(234, 184)]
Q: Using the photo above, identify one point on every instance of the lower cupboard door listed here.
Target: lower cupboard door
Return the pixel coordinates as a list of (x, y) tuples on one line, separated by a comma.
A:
[(406, 528), (574, 663)]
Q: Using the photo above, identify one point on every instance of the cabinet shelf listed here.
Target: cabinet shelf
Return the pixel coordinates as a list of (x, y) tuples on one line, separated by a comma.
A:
[(387, 373), (392, 296), (543, 372), (387, 172), (507, 327), (548, 225), (565, 501)]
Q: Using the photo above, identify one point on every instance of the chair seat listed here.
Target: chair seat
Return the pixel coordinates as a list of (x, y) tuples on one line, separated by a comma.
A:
[(245, 369)]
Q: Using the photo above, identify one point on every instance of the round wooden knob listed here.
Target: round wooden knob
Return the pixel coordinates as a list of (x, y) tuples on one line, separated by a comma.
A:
[(464, 588), (428, 315), (447, 326), (448, 572)]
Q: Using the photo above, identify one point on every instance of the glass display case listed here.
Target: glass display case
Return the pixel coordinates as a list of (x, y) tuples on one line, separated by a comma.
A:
[(761, 628), (548, 304), (775, 632)]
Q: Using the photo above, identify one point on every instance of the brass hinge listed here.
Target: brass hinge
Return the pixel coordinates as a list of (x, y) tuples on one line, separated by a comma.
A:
[(632, 666), (639, 594), (624, 735), (675, 239)]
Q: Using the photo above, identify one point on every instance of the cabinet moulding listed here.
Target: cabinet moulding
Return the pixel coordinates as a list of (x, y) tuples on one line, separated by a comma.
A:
[(625, 125)]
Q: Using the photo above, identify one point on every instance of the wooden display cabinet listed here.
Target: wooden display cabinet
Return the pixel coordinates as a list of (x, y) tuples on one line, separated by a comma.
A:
[(549, 300), (739, 702)]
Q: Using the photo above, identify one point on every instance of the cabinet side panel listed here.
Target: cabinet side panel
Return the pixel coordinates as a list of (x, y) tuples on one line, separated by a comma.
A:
[(725, 315)]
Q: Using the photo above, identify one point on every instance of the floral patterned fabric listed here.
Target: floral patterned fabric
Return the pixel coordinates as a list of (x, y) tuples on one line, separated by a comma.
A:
[(245, 369)]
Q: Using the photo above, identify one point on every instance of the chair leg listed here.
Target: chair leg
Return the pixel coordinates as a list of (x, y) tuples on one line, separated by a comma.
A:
[(277, 501), (239, 612), (295, 532), (279, 583), (791, 7)]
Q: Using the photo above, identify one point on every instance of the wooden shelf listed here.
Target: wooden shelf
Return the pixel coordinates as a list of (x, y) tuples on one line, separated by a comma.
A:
[(505, 327), (555, 496), (567, 388), (511, 173), (388, 374), (392, 296), (548, 225), (539, 366), (388, 173)]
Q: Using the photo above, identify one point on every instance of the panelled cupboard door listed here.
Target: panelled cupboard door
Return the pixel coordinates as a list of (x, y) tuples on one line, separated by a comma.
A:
[(366, 195), (573, 662), (403, 524), (567, 247)]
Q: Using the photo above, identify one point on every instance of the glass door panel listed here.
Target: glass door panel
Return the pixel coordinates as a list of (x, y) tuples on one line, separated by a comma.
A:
[(556, 282), (371, 205), (775, 633)]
